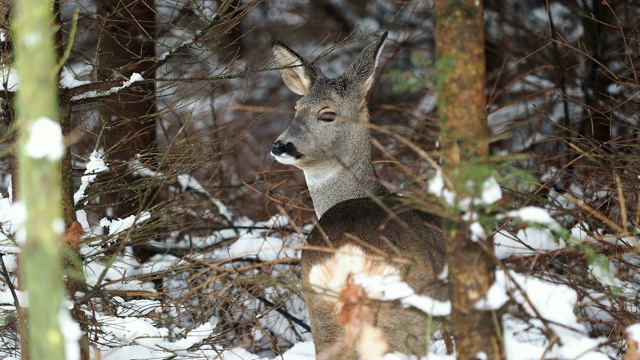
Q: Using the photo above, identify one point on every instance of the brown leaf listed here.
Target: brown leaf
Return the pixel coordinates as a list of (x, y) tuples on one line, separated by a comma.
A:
[(632, 353), (354, 308), (72, 235)]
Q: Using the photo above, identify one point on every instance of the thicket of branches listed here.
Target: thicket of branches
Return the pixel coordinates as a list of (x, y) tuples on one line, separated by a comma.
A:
[(179, 101)]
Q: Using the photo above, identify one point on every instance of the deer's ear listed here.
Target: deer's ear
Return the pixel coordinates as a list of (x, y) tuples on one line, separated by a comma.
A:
[(362, 71), (296, 73)]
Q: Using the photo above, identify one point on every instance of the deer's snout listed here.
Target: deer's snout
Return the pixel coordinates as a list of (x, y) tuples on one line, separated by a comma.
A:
[(281, 149)]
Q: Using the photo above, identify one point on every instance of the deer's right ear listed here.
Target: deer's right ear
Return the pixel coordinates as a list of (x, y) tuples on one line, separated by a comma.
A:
[(297, 75), (362, 71)]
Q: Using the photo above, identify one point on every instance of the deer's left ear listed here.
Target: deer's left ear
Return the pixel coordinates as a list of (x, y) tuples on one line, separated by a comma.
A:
[(297, 74), (362, 71)]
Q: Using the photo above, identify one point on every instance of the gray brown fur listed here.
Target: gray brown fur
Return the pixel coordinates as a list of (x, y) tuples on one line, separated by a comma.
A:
[(405, 233), (336, 159)]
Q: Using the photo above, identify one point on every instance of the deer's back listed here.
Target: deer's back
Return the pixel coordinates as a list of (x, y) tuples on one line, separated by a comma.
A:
[(383, 233), (392, 229)]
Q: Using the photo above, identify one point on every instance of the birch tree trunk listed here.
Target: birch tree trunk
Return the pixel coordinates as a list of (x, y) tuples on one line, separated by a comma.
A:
[(460, 67), (39, 183)]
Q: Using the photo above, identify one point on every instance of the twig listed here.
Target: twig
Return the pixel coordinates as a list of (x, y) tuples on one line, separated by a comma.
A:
[(284, 313), (12, 289), (595, 213)]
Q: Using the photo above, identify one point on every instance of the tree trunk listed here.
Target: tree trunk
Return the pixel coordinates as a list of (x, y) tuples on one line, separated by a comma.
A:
[(460, 67), (36, 108), (72, 260), (598, 39), (7, 108), (126, 46)]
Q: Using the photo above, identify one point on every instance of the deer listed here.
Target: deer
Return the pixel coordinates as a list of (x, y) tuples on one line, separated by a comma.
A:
[(362, 227)]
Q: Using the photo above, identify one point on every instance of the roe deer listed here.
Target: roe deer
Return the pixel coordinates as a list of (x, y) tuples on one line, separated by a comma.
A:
[(361, 225)]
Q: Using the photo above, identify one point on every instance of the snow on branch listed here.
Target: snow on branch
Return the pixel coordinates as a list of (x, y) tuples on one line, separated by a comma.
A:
[(135, 77)]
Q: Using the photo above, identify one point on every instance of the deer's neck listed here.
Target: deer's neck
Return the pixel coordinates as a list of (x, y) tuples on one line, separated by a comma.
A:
[(333, 186)]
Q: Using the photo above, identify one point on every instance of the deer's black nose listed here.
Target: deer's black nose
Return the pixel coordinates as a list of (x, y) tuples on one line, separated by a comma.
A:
[(278, 148)]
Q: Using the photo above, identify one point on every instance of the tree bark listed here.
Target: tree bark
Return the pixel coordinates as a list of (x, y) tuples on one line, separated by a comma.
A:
[(600, 39), (75, 280), (36, 105), (126, 47), (460, 67)]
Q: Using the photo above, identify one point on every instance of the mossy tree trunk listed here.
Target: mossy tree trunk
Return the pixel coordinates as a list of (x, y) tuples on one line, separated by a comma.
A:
[(460, 67), (39, 183)]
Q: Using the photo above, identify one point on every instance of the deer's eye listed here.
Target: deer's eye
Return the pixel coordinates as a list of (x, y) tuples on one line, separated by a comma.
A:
[(327, 115)]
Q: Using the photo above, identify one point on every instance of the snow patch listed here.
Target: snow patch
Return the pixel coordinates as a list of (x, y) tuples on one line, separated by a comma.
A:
[(9, 222), (116, 275), (94, 166), (304, 350), (81, 216), (533, 214), (496, 296), (71, 333), (135, 77), (527, 241), (137, 307), (18, 218), (265, 249), (68, 79), (392, 287), (633, 332), (491, 191), (120, 225), (10, 80), (45, 140), (238, 354), (601, 270), (438, 188), (554, 303)]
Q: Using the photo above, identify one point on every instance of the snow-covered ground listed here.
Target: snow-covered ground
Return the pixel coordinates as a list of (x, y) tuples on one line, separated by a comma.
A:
[(543, 322)]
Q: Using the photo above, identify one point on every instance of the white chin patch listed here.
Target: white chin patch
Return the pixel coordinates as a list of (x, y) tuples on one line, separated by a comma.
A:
[(286, 159)]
